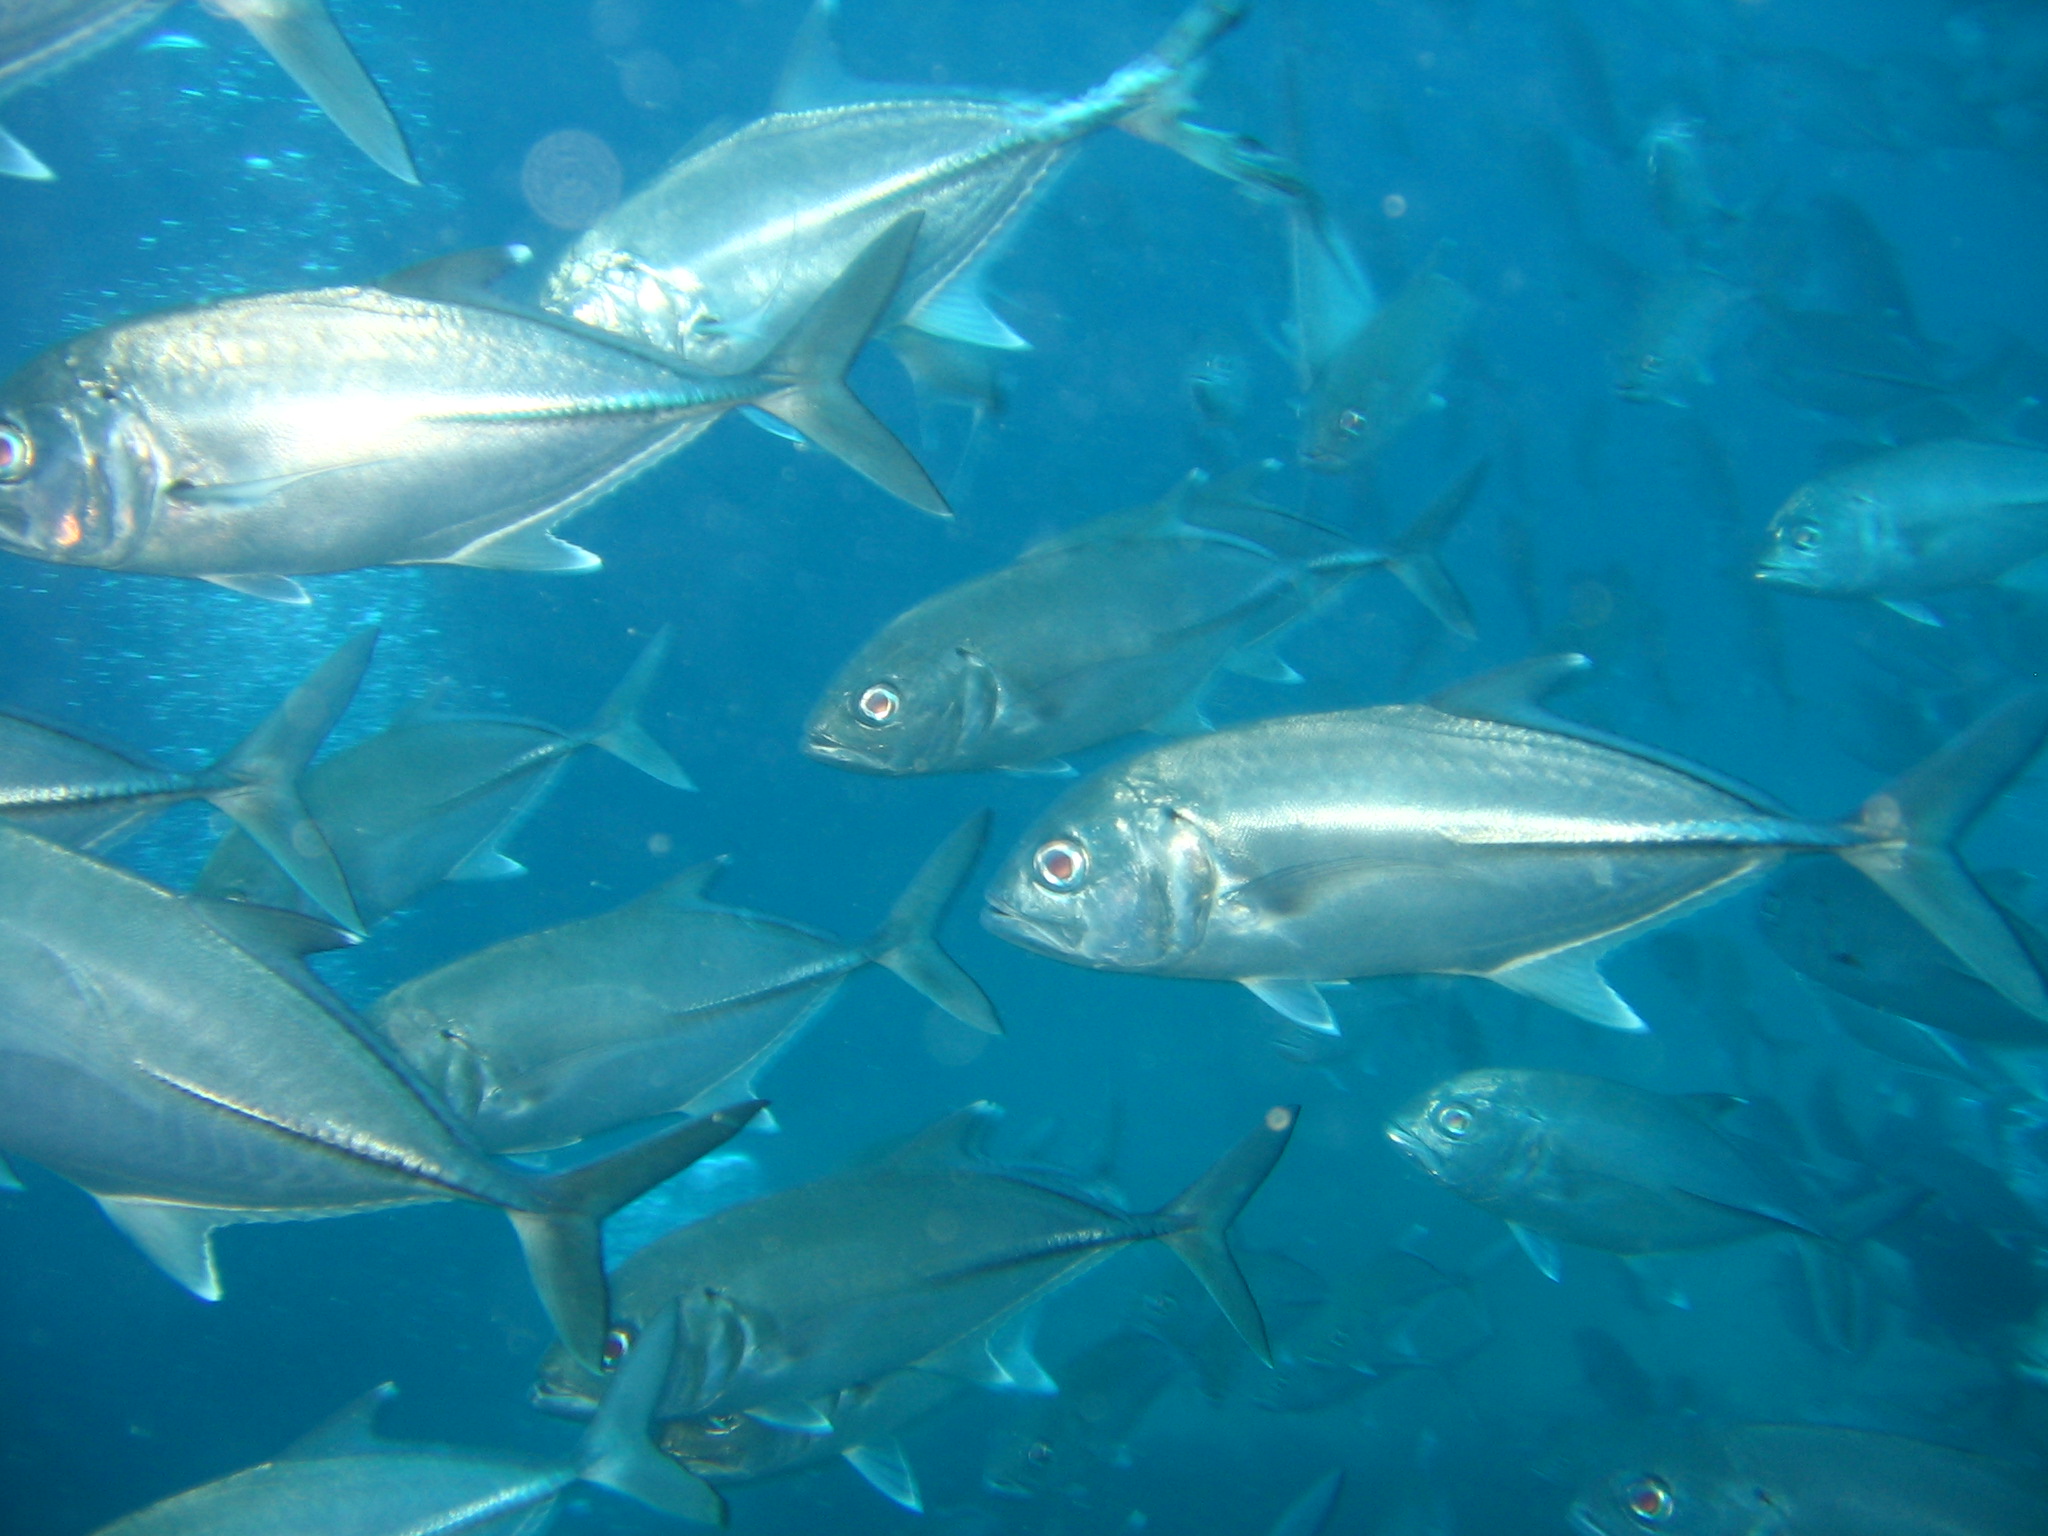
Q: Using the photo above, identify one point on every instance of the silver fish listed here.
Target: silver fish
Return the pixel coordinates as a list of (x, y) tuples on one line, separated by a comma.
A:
[(1682, 322), (91, 797), (1807, 1480), (260, 438), (41, 38), (917, 1261), (670, 1003), (1104, 1394), (343, 1480), (172, 1058), (1475, 835), (715, 257), (1912, 523), (1369, 389), (434, 795), (1112, 628)]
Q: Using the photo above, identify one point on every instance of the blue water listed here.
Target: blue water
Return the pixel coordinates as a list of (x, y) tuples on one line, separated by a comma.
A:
[(191, 168)]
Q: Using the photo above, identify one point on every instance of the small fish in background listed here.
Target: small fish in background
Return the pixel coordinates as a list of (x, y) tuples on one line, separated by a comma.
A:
[(1220, 391), (1682, 322), (669, 1004), (1806, 1480), (1309, 1514), (1477, 835), (43, 38), (1178, 1312), (92, 798), (1058, 1443), (434, 795), (265, 437), (1681, 190), (1914, 523), (1112, 628)]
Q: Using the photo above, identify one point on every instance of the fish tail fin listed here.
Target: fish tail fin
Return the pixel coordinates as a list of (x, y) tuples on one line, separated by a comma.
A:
[(1212, 1203), (907, 942), (260, 778), (811, 363), (616, 1452), (1415, 562), (1907, 833), (302, 37), (617, 728), (560, 1231)]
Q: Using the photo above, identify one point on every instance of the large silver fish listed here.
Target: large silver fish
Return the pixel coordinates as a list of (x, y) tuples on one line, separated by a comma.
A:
[(1475, 835), (41, 38), (260, 438), (434, 795), (343, 1480), (1912, 523), (668, 1003), (155, 1052), (1807, 1480), (1113, 628), (918, 1260), (719, 253), (91, 797)]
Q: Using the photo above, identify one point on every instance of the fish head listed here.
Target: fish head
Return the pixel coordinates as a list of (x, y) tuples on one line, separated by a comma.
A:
[(713, 1340), (1028, 1465), (906, 713), (1831, 537), (1114, 876), (73, 485), (1337, 434), (1472, 1132), (1688, 1488)]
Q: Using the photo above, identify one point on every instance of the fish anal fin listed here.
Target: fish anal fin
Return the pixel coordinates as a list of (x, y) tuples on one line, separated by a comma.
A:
[(887, 1471), (10, 1181), (177, 1239), (17, 159), (1570, 979), (1542, 1251), (1294, 999), (487, 863), (272, 589), (959, 312)]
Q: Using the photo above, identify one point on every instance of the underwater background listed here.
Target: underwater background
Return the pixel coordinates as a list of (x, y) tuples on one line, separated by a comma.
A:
[(1497, 137)]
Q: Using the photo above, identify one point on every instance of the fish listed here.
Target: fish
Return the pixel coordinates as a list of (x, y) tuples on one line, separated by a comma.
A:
[(1177, 1313), (929, 1259), (1681, 190), (1913, 523), (345, 1480), (1478, 834), (43, 38), (92, 797), (1844, 933), (1112, 628), (1104, 1393), (1680, 325), (1806, 1480), (1396, 1312), (434, 795), (1370, 389), (173, 1058), (260, 438), (668, 1004), (715, 258)]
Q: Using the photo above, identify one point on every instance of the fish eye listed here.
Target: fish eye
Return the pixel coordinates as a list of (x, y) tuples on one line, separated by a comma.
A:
[(1804, 537), (1649, 1500), (878, 704), (1350, 423), (17, 453), (1061, 864), (617, 1345), (1454, 1120), (1038, 1452)]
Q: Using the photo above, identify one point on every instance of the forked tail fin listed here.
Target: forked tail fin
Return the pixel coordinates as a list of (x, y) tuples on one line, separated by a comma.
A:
[(907, 942), (617, 728), (1212, 1203)]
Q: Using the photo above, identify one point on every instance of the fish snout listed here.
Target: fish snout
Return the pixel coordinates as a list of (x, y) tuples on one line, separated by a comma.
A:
[(1415, 1147)]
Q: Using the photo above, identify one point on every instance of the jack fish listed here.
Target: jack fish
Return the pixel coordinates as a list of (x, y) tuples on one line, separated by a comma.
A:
[(41, 38), (85, 796), (1475, 835), (668, 1003), (434, 795), (1113, 628), (1104, 1393), (716, 257), (260, 438), (920, 1260), (171, 1057)]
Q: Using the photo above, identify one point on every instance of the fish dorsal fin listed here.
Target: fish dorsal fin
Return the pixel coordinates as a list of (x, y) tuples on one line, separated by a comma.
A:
[(688, 891), (814, 74), (1570, 979), (799, 1417), (177, 1239), (959, 1138), (1542, 1251), (429, 705), (1165, 518), (960, 312), (1512, 695), (462, 278), (1184, 719), (352, 1431), (527, 547), (887, 1471), (278, 938)]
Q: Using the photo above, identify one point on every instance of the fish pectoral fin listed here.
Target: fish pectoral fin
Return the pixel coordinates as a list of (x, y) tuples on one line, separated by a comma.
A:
[(241, 495), (801, 1417), (959, 312), (1543, 1251), (530, 548), (1570, 979), (272, 589), (1294, 999), (1261, 661), (352, 1431), (887, 1471), (1906, 608), (487, 864), (302, 37), (1294, 889), (177, 1239), (17, 159)]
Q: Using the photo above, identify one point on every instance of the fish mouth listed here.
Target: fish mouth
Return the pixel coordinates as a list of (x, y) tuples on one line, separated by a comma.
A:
[(829, 749), (1415, 1147), (562, 1403), (1583, 1521), (1006, 922)]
